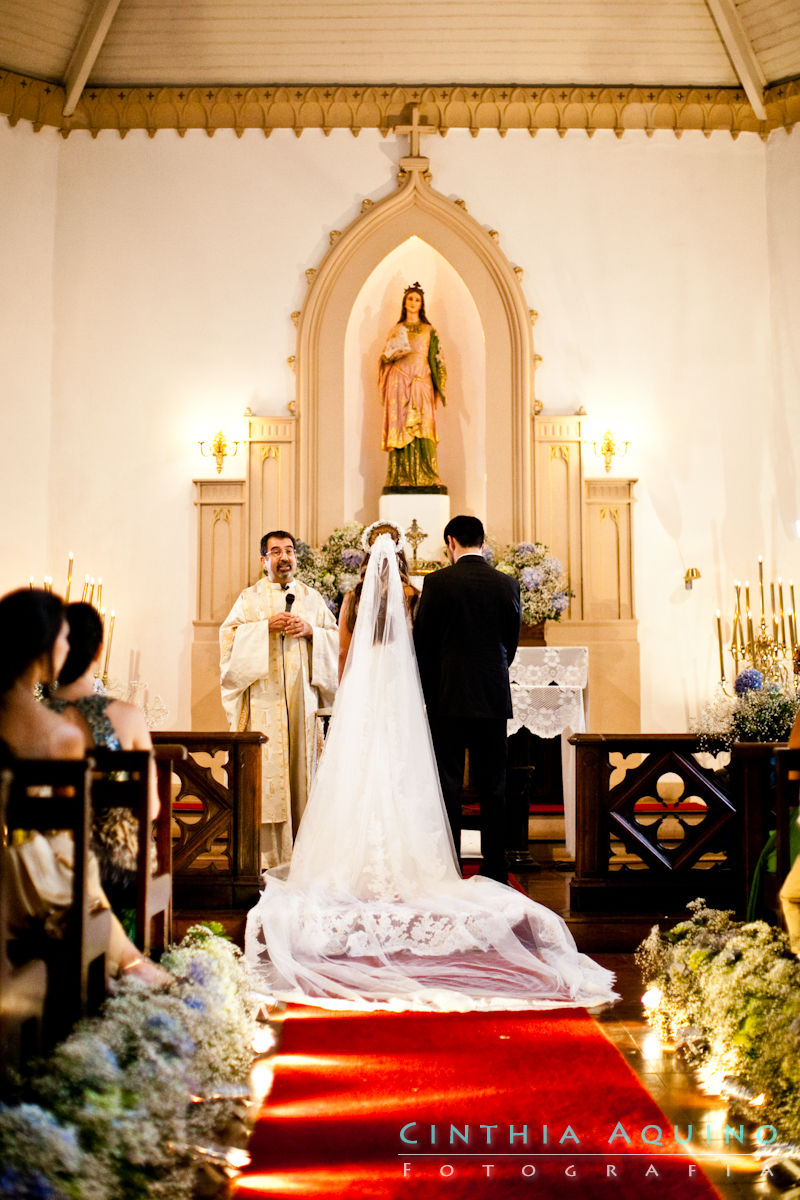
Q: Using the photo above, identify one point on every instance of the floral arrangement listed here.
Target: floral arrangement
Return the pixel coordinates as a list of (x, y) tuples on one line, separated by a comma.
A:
[(333, 568), (114, 1111), (542, 581), (729, 994), (757, 712)]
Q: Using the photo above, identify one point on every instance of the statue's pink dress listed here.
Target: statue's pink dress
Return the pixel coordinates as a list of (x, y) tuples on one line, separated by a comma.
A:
[(411, 383)]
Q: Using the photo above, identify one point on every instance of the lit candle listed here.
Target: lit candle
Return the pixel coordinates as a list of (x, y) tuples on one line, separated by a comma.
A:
[(48, 583), (761, 583), (90, 597), (783, 621), (30, 581), (738, 634), (85, 591), (794, 611), (69, 576), (721, 654), (108, 646), (98, 606), (750, 638)]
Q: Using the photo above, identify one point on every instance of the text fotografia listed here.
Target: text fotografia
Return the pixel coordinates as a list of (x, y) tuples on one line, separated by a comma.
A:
[(572, 1170), (521, 1138)]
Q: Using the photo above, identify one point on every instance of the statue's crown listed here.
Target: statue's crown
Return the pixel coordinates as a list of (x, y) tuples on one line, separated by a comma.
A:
[(414, 287)]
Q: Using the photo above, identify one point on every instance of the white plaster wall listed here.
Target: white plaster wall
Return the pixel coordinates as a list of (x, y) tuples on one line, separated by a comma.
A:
[(783, 418), (178, 261), (28, 164)]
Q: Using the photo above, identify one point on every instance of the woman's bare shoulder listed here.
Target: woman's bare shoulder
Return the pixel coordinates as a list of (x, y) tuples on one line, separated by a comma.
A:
[(130, 725)]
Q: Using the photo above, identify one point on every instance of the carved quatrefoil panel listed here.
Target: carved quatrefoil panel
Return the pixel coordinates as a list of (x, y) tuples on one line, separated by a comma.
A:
[(669, 812)]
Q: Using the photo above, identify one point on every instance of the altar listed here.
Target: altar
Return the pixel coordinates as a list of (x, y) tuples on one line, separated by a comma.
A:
[(549, 699)]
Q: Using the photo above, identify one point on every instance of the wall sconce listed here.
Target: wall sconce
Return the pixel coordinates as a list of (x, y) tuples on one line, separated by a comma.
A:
[(608, 447), (692, 573), (218, 450)]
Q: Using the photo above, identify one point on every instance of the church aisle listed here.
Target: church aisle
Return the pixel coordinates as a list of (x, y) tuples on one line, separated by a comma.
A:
[(363, 1105), (460, 1105)]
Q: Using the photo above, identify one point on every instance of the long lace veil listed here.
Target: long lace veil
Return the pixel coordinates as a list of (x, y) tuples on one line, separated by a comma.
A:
[(372, 911), (375, 823)]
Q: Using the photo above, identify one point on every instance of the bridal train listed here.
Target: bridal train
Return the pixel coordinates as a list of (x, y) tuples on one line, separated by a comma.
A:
[(372, 911)]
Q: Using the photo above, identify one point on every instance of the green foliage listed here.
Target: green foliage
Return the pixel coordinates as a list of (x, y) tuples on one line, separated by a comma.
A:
[(729, 993)]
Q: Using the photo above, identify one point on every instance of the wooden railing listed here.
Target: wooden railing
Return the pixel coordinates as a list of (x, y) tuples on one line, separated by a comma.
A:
[(659, 822), (216, 817)]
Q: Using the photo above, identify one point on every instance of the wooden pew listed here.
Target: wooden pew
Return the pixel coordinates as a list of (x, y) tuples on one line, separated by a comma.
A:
[(22, 988), (51, 795), (121, 779)]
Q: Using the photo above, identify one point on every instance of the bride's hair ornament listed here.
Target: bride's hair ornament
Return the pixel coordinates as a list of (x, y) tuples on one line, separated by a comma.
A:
[(378, 527)]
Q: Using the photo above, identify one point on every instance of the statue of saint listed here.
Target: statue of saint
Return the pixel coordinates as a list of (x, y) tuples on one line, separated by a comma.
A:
[(411, 381)]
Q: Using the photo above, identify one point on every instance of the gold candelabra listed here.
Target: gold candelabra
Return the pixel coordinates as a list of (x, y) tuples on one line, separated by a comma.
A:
[(90, 586), (770, 647)]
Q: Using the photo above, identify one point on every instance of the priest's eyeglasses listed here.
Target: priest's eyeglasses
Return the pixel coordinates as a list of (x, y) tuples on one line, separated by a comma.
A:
[(278, 552)]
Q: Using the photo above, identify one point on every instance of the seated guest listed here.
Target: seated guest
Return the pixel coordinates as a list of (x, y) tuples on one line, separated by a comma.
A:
[(113, 724), (33, 649)]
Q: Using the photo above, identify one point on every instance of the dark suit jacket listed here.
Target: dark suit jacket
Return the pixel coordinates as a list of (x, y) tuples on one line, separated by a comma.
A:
[(466, 633)]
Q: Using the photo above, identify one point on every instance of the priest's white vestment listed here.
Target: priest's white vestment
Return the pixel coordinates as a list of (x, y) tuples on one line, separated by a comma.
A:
[(275, 684)]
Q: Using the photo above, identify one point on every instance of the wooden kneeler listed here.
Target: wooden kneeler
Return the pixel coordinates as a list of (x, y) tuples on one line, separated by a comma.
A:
[(53, 795), (121, 779)]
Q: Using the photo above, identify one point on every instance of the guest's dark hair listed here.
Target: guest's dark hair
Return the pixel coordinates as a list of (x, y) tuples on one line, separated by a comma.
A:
[(85, 638), (276, 533), (30, 620), (467, 531)]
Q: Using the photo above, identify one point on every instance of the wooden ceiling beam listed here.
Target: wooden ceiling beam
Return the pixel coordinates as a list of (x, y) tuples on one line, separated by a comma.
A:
[(86, 50), (741, 53)]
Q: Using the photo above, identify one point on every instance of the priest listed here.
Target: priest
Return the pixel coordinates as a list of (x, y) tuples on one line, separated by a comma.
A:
[(279, 652)]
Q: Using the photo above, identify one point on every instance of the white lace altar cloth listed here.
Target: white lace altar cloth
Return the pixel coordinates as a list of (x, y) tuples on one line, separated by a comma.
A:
[(547, 685)]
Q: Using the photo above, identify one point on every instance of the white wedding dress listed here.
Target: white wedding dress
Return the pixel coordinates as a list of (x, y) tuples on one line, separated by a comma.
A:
[(372, 911)]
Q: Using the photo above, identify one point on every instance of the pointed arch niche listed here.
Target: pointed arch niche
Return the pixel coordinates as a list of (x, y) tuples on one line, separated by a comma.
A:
[(474, 299)]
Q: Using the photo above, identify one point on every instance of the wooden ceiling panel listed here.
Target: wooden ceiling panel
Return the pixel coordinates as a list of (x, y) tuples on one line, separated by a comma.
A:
[(445, 41), (239, 42), (773, 27), (37, 36)]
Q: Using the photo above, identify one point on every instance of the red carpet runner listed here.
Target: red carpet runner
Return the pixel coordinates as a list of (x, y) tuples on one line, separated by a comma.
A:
[(363, 1106)]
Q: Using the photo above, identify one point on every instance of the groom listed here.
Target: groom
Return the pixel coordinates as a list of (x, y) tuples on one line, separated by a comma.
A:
[(465, 634)]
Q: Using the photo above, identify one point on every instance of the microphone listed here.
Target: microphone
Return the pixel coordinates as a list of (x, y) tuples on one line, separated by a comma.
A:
[(289, 601)]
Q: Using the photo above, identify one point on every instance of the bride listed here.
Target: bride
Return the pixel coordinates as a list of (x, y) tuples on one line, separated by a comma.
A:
[(372, 911)]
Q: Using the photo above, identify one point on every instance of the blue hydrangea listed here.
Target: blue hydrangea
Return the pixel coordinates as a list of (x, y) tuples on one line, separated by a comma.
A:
[(748, 680), (532, 577), (560, 602), (33, 1186), (352, 559)]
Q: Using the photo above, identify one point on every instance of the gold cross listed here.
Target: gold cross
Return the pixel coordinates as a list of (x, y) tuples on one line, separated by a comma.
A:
[(415, 535), (414, 131)]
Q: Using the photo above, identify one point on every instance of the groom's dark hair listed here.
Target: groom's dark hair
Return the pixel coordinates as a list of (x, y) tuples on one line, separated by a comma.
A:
[(467, 531)]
